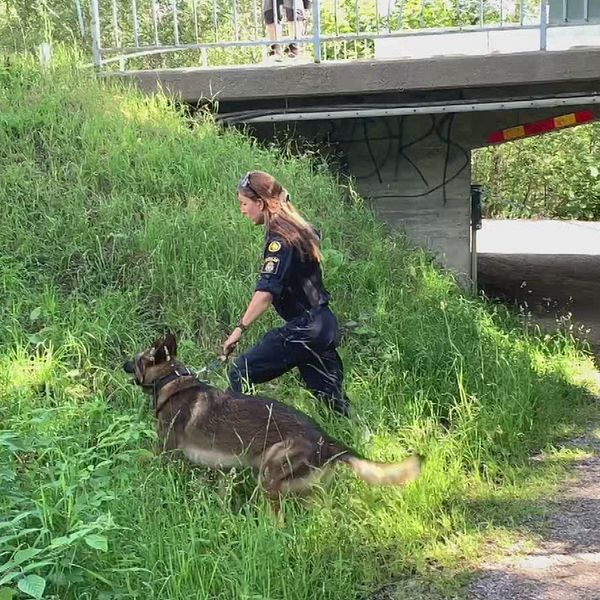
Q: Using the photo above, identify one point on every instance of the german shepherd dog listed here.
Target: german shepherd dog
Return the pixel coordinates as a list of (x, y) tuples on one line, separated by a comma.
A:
[(219, 428)]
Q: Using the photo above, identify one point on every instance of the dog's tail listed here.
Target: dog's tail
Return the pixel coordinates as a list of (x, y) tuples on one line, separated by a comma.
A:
[(377, 473)]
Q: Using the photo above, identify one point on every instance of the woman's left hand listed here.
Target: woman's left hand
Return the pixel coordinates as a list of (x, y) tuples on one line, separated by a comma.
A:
[(232, 341)]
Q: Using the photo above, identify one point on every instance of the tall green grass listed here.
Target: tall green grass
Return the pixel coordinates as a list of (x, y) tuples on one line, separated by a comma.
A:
[(118, 218)]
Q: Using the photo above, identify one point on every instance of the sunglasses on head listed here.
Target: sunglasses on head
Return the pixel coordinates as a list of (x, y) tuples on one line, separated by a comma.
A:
[(245, 183)]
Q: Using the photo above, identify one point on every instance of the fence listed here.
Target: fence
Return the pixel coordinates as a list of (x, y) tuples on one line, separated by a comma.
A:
[(171, 33)]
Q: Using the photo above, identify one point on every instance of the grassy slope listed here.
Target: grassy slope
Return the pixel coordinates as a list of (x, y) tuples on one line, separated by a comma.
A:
[(118, 218)]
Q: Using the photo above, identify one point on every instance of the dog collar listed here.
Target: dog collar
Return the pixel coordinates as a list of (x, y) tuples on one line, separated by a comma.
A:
[(160, 383)]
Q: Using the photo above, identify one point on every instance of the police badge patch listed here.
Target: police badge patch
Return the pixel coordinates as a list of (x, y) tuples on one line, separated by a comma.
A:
[(270, 265)]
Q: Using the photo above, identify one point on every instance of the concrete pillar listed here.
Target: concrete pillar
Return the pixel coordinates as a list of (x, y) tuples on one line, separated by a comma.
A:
[(415, 180)]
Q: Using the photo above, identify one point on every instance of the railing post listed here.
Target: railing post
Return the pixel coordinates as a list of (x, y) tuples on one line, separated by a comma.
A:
[(544, 25), (317, 30), (80, 18), (175, 21), (136, 23), (96, 48)]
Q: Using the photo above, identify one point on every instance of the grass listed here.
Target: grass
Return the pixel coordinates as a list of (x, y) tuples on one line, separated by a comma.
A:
[(118, 217)]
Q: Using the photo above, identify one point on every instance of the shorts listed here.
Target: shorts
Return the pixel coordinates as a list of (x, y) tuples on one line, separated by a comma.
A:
[(294, 10)]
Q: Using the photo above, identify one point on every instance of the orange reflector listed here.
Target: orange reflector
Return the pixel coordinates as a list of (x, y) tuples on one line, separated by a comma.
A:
[(565, 120), (543, 126), (512, 133)]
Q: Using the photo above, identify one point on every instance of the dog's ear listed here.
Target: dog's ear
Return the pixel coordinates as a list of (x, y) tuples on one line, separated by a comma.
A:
[(158, 342), (165, 349), (171, 343)]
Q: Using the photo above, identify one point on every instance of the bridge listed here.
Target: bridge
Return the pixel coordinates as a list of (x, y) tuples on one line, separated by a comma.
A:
[(400, 102)]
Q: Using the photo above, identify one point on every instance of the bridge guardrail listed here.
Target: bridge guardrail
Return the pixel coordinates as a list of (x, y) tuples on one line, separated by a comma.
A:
[(152, 33)]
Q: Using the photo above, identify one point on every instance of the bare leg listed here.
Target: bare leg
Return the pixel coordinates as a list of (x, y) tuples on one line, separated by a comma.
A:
[(273, 30), (297, 24)]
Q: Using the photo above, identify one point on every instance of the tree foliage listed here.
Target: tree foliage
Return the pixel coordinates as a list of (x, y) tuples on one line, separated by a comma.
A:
[(555, 176)]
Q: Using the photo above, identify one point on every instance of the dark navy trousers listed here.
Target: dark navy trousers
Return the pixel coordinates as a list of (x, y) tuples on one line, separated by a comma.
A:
[(307, 342)]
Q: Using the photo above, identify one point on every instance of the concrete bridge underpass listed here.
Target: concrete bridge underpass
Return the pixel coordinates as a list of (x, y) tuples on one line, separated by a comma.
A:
[(404, 128)]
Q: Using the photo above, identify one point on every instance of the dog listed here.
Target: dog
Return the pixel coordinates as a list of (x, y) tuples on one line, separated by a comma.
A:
[(217, 428)]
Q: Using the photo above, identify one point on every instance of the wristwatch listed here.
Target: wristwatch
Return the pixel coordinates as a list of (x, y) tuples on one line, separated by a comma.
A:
[(241, 326)]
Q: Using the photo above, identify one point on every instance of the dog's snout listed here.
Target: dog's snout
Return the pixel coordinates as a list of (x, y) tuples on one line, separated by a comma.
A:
[(128, 367)]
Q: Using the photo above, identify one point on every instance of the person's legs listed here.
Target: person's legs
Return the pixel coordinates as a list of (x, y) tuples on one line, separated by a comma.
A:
[(265, 361), (313, 341), (323, 374), (272, 18), (295, 11), (306, 343)]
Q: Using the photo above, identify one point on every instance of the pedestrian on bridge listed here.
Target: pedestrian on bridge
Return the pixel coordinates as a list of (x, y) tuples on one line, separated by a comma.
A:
[(295, 13), (290, 280)]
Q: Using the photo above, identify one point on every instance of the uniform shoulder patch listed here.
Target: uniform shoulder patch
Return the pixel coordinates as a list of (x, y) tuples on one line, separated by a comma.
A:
[(271, 265), (274, 246)]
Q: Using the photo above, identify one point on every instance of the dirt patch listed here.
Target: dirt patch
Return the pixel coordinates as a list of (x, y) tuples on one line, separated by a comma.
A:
[(566, 563)]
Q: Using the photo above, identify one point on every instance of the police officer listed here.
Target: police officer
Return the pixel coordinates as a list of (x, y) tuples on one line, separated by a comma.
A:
[(291, 280)]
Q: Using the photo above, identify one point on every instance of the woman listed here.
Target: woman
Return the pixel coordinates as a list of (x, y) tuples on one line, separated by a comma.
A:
[(291, 280)]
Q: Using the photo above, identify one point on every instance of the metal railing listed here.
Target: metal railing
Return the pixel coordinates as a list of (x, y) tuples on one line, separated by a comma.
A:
[(142, 34)]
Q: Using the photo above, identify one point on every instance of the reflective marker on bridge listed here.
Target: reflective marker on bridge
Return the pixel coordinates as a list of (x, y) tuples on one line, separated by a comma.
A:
[(543, 126)]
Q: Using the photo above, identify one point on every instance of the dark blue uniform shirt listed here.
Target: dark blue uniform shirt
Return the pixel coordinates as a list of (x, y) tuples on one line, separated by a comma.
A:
[(309, 337), (296, 285)]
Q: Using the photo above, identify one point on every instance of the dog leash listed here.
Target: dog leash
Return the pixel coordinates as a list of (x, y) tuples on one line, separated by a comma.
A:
[(212, 366)]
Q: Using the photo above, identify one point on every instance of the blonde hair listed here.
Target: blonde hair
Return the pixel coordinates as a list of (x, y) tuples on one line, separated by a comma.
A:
[(282, 218)]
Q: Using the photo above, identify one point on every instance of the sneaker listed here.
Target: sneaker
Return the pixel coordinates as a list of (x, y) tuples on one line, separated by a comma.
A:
[(274, 51), (293, 51)]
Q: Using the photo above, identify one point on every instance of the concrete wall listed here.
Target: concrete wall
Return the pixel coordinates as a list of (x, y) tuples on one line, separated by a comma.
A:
[(399, 164), (282, 83)]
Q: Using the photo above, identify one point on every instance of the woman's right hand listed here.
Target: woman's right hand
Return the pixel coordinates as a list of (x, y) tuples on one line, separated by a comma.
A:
[(231, 342)]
